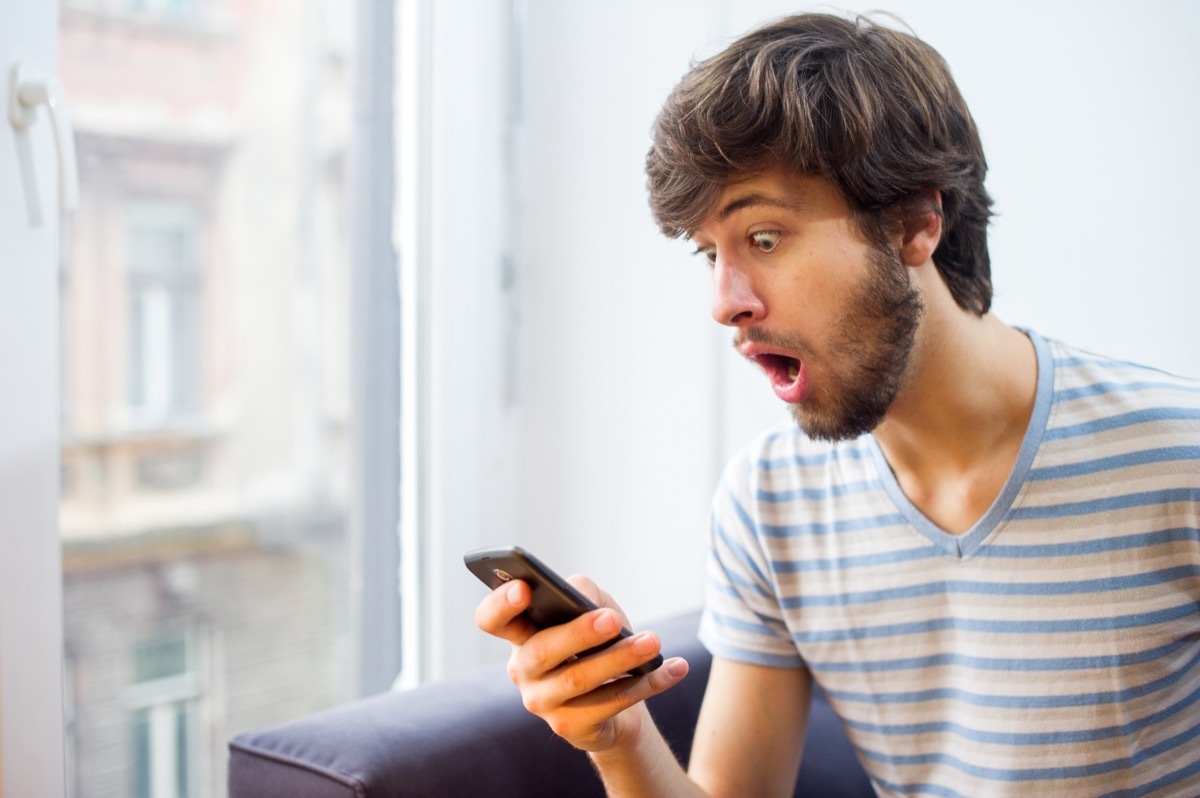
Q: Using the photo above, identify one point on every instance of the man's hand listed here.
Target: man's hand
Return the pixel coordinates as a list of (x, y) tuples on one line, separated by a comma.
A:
[(589, 702)]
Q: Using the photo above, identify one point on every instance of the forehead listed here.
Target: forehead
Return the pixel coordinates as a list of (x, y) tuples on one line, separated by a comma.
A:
[(804, 195)]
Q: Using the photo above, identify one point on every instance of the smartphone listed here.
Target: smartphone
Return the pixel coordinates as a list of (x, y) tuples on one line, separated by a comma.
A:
[(553, 601)]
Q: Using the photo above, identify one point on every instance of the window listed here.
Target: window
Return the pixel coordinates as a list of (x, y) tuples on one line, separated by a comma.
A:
[(209, 509), (166, 10), (166, 7), (164, 701), (164, 312)]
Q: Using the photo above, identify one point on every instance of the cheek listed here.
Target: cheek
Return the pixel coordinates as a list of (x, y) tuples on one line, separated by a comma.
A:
[(821, 286)]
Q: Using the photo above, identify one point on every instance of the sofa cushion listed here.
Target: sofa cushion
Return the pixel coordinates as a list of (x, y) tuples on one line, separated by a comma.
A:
[(470, 735)]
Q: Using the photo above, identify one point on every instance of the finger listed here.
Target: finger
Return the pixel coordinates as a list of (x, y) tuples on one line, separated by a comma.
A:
[(598, 684), (615, 662), (550, 648), (620, 694), (554, 686), (587, 587), (499, 614), (588, 720), (599, 597), (607, 600)]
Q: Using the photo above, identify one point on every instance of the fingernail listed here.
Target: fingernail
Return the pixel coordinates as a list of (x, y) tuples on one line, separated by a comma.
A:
[(605, 623), (514, 594), (644, 643), (676, 667)]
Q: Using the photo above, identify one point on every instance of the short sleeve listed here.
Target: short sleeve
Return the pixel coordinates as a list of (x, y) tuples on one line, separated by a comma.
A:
[(743, 617)]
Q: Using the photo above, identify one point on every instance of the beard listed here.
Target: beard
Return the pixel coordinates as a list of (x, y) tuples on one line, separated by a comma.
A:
[(866, 355)]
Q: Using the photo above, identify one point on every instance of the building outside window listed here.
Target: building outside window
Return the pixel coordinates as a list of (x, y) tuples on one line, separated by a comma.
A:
[(207, 511)]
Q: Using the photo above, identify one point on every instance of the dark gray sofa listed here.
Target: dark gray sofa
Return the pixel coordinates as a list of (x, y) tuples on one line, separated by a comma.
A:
[(470, 736)]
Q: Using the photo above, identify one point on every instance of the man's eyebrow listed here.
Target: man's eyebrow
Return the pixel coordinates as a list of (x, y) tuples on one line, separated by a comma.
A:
[(788, 203)]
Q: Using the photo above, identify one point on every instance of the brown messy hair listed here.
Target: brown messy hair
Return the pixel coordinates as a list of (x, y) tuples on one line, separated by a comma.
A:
[(869, 108)]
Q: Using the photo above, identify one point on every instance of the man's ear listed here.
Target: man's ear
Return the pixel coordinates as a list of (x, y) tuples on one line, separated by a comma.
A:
[(922, 227)]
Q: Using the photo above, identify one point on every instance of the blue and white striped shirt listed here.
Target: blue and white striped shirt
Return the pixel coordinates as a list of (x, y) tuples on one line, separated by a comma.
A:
[(1052, 649)]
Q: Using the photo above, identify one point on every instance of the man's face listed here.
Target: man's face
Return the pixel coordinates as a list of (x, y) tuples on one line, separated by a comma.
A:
[(830, 318)]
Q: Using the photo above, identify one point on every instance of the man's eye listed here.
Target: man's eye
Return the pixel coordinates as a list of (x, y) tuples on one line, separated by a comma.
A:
[(709, 253), (765, 240)]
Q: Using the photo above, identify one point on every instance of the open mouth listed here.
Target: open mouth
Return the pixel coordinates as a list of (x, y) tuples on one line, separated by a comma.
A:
[(779, 366), (785, 373)]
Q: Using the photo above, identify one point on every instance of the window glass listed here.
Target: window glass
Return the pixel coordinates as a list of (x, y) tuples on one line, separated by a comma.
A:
[(207, 407)]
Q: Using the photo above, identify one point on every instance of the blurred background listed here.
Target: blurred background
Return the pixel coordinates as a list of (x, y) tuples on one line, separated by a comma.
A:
[(354, 287)]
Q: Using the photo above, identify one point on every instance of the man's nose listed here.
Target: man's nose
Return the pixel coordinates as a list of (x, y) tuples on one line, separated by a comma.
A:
[(735, 302)]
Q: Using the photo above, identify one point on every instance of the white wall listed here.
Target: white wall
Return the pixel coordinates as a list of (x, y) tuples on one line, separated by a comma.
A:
[(630, 398), (620, 449)]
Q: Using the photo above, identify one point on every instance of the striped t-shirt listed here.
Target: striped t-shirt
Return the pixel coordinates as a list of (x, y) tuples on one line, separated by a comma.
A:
[(1052, 649)]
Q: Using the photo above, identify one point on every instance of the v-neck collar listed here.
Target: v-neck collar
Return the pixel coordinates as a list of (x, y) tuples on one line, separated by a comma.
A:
[(969, 542)]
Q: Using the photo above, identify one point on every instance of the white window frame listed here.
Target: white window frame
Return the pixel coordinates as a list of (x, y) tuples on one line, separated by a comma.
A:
[(459, 276), (376, 378), (31, 670)]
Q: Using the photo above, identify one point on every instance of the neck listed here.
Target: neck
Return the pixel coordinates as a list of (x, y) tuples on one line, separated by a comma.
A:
[(955, 429)]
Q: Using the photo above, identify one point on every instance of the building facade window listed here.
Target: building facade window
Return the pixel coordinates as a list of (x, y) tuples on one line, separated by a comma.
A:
[(165, 282), (164, 700), (176, 8)]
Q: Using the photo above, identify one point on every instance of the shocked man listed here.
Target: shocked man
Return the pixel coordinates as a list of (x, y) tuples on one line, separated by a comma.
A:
[(983, 545)]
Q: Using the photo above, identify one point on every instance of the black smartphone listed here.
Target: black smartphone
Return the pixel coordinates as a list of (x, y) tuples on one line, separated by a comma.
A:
[(553, 601)]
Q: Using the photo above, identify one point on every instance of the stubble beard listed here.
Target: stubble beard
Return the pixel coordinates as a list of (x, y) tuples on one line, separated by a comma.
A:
[(868, 355)]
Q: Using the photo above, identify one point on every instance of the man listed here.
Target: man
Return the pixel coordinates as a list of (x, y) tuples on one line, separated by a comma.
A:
[(983, 545)]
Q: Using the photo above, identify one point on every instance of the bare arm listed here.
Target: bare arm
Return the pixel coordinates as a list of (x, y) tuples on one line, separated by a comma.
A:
[(750, 735), (748, 743)]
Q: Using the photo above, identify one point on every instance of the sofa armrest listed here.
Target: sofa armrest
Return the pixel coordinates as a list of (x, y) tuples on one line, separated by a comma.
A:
[(470, 735)]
